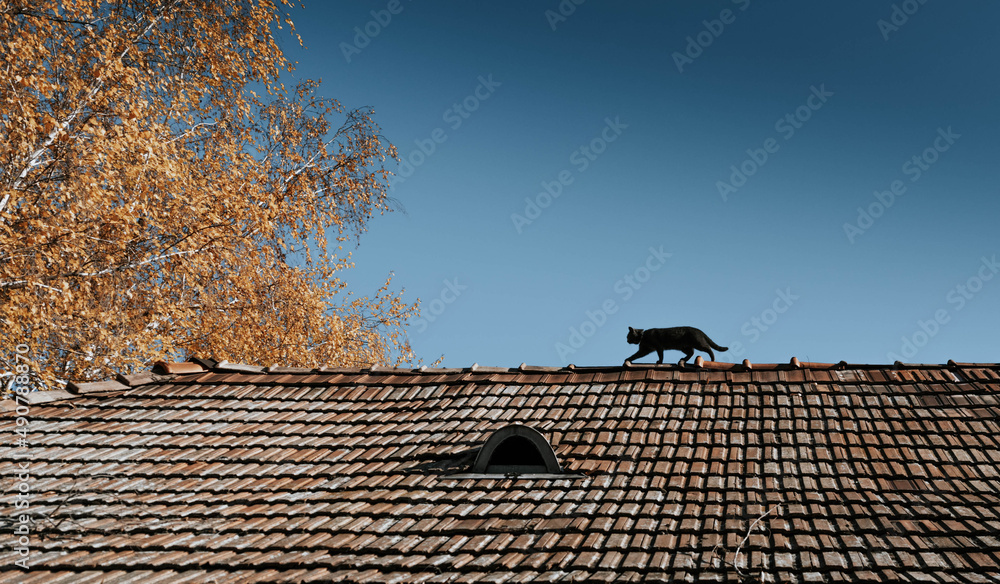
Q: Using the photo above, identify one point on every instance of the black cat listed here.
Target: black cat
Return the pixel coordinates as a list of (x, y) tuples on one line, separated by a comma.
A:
[(680, 338)]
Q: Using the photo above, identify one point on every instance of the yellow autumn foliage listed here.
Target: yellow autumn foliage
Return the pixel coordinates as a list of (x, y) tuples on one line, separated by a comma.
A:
[(162, 194)]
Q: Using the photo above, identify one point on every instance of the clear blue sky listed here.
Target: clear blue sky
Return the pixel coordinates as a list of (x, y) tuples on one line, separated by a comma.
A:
[(637, 118)]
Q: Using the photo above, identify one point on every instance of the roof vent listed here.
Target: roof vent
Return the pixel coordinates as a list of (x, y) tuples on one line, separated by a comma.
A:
[(516, 449)]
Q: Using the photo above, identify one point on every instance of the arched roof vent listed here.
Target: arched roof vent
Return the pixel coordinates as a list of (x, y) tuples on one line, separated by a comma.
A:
[(516, 449)]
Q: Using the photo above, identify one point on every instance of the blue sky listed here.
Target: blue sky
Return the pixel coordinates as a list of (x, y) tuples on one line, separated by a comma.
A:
[(815, 180)]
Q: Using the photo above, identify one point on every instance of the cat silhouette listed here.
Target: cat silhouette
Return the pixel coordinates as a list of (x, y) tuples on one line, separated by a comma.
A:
[(681, 338)]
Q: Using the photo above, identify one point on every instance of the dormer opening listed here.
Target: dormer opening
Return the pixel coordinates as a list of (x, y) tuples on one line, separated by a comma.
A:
[(516, 451)]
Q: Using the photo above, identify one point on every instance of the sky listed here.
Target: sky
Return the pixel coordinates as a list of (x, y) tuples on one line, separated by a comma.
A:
[(806, 179)]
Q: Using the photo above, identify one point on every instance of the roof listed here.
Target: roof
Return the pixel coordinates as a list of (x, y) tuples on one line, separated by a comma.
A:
[(800, 472)]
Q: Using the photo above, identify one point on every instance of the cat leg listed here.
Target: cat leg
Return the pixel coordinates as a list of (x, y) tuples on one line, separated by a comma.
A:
[(638, 355), (659, 353), (711, 355), (688, 353)]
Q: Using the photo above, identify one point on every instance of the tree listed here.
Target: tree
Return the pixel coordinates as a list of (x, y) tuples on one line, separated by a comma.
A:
[(163, 194)]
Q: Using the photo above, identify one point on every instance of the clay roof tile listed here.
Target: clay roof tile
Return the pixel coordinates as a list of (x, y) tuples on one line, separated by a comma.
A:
[(812, 470)]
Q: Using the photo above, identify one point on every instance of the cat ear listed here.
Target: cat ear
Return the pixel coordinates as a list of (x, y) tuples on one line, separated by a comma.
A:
[(630, 329)]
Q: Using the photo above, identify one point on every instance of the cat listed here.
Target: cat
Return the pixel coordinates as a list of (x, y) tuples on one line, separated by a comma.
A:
[(680, 338)]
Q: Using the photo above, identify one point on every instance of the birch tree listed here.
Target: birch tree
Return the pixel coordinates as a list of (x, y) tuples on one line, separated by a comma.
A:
[(163, 194)]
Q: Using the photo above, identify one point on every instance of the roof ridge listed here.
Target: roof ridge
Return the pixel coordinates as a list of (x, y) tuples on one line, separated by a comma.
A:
[(198, 365)]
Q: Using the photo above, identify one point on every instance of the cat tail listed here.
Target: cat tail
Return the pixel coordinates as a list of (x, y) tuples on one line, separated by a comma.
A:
[(712, 344)]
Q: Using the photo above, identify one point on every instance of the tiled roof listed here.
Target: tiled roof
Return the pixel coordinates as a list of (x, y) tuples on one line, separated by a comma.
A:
[(234, 474)]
